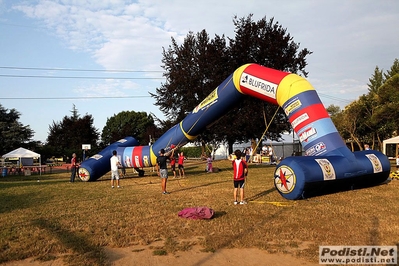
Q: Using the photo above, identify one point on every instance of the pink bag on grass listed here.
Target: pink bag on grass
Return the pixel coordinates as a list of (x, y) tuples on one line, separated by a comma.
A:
[(197, 213)]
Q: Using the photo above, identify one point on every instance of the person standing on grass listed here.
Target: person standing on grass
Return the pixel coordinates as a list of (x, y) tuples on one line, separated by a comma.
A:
[(180, 166), (74, 168), (397, 163), (162, 170), (209, 164), (240, 171), (247, 154), (173, 163), (115, 169)]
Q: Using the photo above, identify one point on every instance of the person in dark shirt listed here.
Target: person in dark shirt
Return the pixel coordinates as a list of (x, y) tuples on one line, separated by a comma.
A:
[(162, 170)]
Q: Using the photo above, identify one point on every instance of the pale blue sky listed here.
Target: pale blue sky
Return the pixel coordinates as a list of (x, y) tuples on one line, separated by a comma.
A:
[(348, 39)]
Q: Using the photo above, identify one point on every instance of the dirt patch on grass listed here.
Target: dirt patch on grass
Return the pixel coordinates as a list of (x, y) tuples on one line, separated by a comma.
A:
[(196, 256), (144, 255)]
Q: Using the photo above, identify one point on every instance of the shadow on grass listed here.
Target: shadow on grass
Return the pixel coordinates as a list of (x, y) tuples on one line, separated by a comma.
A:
[(199, 186), (31, 182), (218, 214), (9, 203), (374, 238), (316, 189), (27, 194), (261, 194), (84, 252)]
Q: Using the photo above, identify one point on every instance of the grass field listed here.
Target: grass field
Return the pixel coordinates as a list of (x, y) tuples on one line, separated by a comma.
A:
[(54, 218)]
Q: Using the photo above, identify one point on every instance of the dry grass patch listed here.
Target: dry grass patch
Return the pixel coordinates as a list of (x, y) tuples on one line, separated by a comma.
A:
[(56, 219)]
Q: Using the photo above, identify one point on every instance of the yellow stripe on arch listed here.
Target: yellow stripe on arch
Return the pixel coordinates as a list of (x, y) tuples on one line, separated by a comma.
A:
[(153, 157), (237, 76), (189, 137), (290, 86)]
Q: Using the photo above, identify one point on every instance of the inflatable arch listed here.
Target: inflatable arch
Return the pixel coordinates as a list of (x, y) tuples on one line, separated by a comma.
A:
[(328, 162)]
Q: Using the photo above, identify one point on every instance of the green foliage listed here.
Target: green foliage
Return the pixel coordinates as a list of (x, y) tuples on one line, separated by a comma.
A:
[(193, 152), (12, 133), (128, 123), (160, 252), (387, 115), (66, 137), (376, 80), (333, 110), (393, 70)]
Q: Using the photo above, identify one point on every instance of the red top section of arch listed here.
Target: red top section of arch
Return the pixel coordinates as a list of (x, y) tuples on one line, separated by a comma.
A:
[(260, 82)]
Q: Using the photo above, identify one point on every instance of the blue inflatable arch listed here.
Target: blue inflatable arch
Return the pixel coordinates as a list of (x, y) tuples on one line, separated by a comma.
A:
[(328, 162)]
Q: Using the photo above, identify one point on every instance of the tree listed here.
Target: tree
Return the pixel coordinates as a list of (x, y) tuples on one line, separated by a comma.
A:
[(192, 71), (333, 110), (66, 137), (386, 114), (376, 80), (393, 70), (377, 120), (13, 134), (339, 119), (197, 66), (128, 123), (373, 117), (349, 123)]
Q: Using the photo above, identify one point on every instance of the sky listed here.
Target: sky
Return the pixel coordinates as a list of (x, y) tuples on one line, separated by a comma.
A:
[(105, 56)]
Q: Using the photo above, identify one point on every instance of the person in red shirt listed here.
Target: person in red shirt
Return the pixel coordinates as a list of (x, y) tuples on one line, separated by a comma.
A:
[(180, 165), (173, 163), (240, 169), (74, 168)]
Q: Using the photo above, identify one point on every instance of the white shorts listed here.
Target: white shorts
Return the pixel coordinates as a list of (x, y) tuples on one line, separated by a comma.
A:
[(115, 175), (163, 173)]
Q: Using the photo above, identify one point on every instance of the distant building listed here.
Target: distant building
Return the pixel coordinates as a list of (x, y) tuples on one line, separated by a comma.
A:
[(288, 147)]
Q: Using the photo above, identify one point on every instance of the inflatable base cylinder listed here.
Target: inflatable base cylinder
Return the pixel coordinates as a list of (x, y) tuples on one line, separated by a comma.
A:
[(99, 164), (307, 176)]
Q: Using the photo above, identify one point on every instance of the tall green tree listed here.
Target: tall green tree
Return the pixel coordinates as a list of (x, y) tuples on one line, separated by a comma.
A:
[(337, 117), (128, 123), (377, 119), (387, 115), (192, 70), (376, 80), (393, 70), (349, 123), (67, 136), (373, 117), (197, 66), (13, 134), (333, 110)]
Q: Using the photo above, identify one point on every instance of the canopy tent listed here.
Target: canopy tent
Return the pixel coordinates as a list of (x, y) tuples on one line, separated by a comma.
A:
[(22, 153), (392, 143)]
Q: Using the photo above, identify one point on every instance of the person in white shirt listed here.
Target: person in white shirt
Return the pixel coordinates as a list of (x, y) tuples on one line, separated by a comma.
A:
[(114, 169), (397, 163), (271, 155), (265, 150)]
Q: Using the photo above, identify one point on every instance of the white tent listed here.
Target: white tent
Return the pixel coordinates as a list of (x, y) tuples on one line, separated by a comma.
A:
[(395, 141), (22, 153)]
